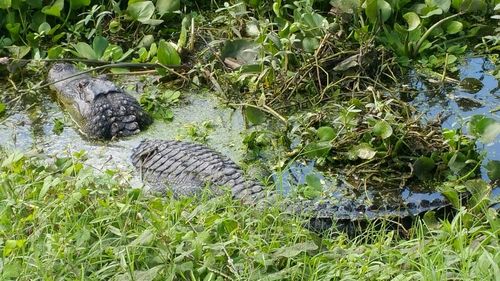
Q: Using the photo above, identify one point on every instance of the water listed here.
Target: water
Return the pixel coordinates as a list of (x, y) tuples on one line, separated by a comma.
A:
[(32, 126), (459, 104)]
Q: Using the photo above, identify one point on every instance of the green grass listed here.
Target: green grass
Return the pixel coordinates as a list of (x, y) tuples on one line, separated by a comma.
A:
[(62, 221)]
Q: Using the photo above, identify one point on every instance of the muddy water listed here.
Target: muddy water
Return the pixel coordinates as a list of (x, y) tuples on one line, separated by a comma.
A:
[(32, 129), (458, 103)]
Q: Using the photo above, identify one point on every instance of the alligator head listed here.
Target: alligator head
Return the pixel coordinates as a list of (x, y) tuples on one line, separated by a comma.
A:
[(101, 109)]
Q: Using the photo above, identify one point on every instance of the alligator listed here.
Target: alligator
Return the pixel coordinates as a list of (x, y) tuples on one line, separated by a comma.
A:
[(100, 108), (186, 168)]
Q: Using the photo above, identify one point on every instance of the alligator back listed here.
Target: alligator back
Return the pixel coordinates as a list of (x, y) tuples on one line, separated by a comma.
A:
[(186, 168), (100, 108)]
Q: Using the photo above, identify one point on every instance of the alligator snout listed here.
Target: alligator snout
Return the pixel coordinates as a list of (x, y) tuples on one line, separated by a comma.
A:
[(102, 110)]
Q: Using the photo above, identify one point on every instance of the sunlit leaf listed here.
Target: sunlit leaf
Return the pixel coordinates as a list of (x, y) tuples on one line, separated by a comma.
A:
[(382, 129), (454, 27), (75, 4), (365, 151), (167, 6), (167, 54), (442, 4), (486, 128), (85, 51), (412, 19), (5, 4), (55, 9)]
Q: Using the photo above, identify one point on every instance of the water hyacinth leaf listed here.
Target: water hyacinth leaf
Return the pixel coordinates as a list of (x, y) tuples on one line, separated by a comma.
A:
[(454, 27), (451, 194), (5, 4), (99, 45), (382, 129), (167, 6), (255, 115), (75, 4), (486, 128), (310, 44), (296, 249), (493, 170), (428, 12), (167, 54), (141, 11), (317, 149), (55, 9), (325, 133), (457, 162), (85, 51), (365, 151), (412, 19), (442, 4), (44, 28), (423, 167), (472, 6), (374, 8)]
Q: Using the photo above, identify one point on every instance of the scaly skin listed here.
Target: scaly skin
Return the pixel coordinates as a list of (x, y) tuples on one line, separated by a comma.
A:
[(186, 168), (101, 109)]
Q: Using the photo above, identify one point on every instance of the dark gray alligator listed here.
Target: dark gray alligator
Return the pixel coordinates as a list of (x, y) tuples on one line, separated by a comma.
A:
[(186, 168), (100, 108)]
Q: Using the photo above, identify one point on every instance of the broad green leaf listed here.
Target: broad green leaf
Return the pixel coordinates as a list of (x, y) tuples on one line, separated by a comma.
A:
[(325, 133), (412, 19), (75, 4), (429, 12), (382, 129), (493, 168), (167, 6), (55, 52), (473, 6), (143, 275), (55, 9), (5, 4), (85, 51), (167, 54), (317, 149), (18, 52), (144, 239), (454, 27), (423, 168), (374, 8), (442, 4), (451, 194), (141, 11), (295, 249), (457, 162), (254, 115), (310, 44), (486, 128), (384, 9), (365, 151), (44, 28), (99, 45)]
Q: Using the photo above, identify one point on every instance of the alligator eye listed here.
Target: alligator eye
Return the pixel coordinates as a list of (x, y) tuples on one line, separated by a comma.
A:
[(83, 84)]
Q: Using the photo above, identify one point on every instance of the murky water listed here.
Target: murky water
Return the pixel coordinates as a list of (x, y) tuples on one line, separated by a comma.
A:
[(458, 104), (32, 128)]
